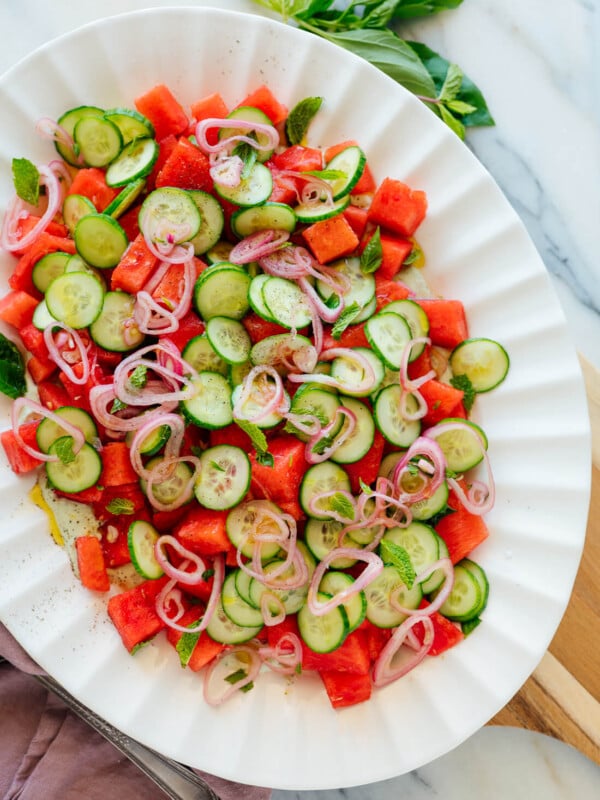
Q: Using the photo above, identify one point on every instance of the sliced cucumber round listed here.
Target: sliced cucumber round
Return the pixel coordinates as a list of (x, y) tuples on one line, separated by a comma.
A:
[(380, 610), (360, 441), (130, 122), (245, 520), (201, 355), (321, 537), (48, 268), (397, 430), (466, 600), (355, 607), (126, 198), (229, 339), (74, 208), (286, 303), (141, 540), (222, 629), (98, 141), (351, 163), (210, 406), (322, 479), (239, 610), (73, 473), (113, 329), (388, 334), (249, 114), (269, 216), (75, 298), (67, 122), (253, 190), (212, 222), (224, 477), (222, 291), (168, 490), (278, 350), (316, 212), (463, 445), (325, 632), (169, 213), (134, 162), (484, 361), (292, 599), (48, 431), (100, 240)]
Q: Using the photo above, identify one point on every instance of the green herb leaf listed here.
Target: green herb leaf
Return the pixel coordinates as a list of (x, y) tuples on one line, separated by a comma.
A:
[(326, 174), (470, 625), (265, 459), (409, 9), (63, 448), (216, 466), (437, 66), (452, 122), (397, 556), (300, 117), (413, 256), (463, 383), (12, 369), (248, 154), (186, 644), (259, 441), (118, 405), (346, 318), (372, 256), (120, 505), (341, 505), (458, 107), (452, 83), (139, 376), (26, 179), (238, 676)]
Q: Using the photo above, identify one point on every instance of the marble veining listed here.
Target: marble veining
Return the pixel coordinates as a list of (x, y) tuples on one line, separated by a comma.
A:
[(538, 64)]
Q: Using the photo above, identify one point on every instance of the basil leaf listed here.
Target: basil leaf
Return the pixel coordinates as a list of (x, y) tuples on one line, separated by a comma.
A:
[(12, 379), (408, 9), (397, 556), (300, 118), (389, 53), (26, 179), (413, 256), (346, 318), (452, 83), (437, 66), (380, 14), (120, 505), (372, 256)]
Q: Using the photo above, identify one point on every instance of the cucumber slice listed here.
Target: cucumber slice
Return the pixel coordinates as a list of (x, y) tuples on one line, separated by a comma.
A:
[(42, 317), (321, 537), (463, 445), (126, 198), (255, 296), (242, 584), (219, 253), (278, 350), (75, 298), (388, 334), (420, 541), (113, 329), (130, 122), (269, 216), (212, 222), (437, 578), (355, 607), (229, 339), (77, 474), (210, 406), (466, 600), (361, 286), (135, 161), (237, 373), (168, 490), (253, 190), (141, 539), (349, 373), (48, 268), (222, 291), (484, 361), (74, 208), (311, 400), (417, 321), (169, 211), (224, 477), (222, 629), (320, 479), (245, 520), (292, 599), (67, 122), (316, 212), (98, 140), (249, 114), (480, 576), (326, 632), (100, 240), (286, 303), (425, 509), (200, 354), (254, 405), (380, 611), (154, 442), (351, 162), (397, 430), (48, 431), (239, 611), (360, 441)]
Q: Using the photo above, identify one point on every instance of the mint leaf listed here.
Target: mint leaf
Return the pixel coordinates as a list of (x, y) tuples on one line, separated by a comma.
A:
[(120, 505), (259, 441), (372, 256), (139, 376), (26, 179), (341, 505), (63, 448), (118, 405), (300, 117), (463, 383), (248, 155), (346, 318), (397, 556), (326, 174), (238, 676)]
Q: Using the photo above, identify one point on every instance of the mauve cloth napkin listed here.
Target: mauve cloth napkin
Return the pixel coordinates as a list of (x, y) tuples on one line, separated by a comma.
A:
[(48, 752)]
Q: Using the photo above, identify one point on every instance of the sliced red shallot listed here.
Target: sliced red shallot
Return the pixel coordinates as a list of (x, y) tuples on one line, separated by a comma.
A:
[(285, 657), (262, 387), (103, 395), (181, 573), (166, 596), (242, 659), (59, 358), (385, 671), (368, 380), (172, 448), (427, 450), (22, 403), (9, 239), (162, 471), (269, 599), (345, 433), (371, 571), (257, 245), (269, 133)]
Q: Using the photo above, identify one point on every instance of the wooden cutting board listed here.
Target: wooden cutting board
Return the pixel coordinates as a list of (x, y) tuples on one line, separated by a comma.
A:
[(562, 697)]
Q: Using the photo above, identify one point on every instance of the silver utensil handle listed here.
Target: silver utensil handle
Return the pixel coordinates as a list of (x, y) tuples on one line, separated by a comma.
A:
[(175, 780)]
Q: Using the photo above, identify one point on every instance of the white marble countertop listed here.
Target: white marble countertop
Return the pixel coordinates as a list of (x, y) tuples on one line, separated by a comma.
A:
[(537, 64)]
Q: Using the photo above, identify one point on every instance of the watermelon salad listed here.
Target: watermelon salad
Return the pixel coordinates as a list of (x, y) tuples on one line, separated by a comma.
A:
[(248, 414)]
